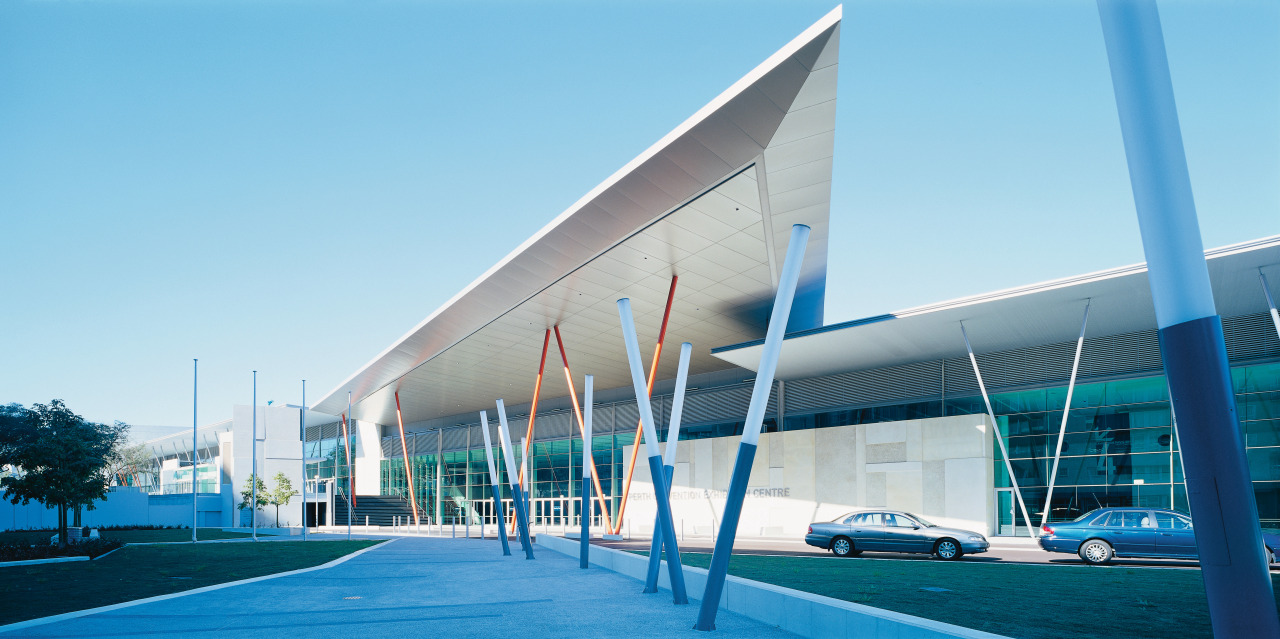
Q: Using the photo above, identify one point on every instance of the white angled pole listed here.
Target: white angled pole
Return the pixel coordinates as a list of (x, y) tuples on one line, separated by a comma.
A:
[(1004, 452), (675, 571), (668, 464), (788, 280), (1271, 303), (1066, 411), (493, 481), (513, 479)]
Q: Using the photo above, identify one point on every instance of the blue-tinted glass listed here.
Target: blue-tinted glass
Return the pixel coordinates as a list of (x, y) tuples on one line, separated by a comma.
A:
[(1256, 406), (1264, 463), (1262, 433)]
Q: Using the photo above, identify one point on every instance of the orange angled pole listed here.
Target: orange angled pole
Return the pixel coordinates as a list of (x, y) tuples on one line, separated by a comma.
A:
[(413, 499), (577, 411), (351, 476), (653, 375), (533, 413)]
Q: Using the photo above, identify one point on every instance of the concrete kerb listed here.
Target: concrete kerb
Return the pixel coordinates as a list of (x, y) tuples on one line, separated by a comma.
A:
[(802, 613), (173, 595), (50, 560)]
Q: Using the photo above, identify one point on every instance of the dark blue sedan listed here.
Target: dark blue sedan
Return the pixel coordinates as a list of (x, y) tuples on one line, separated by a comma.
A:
[(1102, 534)]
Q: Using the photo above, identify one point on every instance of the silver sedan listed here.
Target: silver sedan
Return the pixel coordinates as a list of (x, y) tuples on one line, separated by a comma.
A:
[(892, 531)]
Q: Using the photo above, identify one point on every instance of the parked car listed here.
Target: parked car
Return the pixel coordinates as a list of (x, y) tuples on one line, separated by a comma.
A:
[(1099, 535), (892, 531)]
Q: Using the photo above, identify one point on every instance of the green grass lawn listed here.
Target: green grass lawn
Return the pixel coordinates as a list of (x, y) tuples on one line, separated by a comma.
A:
[(1017, 600), (135, 572), (126, 536)]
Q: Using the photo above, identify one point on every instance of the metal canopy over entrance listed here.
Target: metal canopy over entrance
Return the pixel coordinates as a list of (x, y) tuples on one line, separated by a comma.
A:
[(712, 202)]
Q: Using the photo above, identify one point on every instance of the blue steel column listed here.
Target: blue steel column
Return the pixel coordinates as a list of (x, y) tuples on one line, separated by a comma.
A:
[(674, 568), (585, 514), (787, 280), (513, 479), (668, 465), (1219, 490), (493, 481)]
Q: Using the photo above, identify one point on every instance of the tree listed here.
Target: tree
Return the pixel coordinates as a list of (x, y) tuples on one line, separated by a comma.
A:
[(282, 494), (56, 457), (246, 495), (127, 462)]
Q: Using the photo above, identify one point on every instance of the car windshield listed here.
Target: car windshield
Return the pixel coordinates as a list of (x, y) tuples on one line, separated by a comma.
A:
[(923, 522), (1082, 517)]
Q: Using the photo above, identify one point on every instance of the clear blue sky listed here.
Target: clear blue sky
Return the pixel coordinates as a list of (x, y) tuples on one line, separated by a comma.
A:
[(290, 186)]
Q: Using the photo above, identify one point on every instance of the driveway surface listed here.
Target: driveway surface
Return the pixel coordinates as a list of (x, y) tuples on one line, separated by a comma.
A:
[(418, 586)]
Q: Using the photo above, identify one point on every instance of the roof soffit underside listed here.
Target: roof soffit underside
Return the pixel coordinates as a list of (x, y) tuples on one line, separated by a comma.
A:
[(721, 143)]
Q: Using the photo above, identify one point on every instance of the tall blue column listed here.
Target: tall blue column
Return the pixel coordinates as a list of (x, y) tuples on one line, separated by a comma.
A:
[(1219, 490), (584, 548), (751, 429)]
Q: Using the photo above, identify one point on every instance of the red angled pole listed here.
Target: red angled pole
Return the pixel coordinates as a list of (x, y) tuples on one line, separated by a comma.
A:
[(533, 413), (351, 476), (404, 447), (577, 411), (653, 375)]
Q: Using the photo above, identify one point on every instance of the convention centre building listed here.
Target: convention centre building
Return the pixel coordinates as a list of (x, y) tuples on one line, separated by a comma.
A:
[(885, 411)]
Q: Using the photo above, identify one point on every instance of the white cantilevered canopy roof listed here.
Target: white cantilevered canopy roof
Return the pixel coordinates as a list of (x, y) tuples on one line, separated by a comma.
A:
[(712, 202), (1045, 313)]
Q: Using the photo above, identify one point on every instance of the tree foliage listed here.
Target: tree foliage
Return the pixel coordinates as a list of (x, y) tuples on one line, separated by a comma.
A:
[(246, 495), (282, 493), (56, 457), (127, 464)]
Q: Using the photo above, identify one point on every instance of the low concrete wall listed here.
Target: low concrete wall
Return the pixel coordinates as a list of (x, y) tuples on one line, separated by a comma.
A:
[(802, 613), (123, 507)]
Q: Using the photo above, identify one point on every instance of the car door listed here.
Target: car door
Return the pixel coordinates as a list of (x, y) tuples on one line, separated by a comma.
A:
[(902, 534), (1131, 532), (867, 531), (1174, 535)]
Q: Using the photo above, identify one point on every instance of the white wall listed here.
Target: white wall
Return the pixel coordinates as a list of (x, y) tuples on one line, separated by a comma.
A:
[(123, 506), (279, 450), (938, 468), (368, 458)]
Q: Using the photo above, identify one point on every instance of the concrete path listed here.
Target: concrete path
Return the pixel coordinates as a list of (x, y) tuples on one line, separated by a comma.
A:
[(418, 587)]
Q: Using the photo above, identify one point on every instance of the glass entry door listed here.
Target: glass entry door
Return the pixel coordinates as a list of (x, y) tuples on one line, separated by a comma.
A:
[(1005, 504)]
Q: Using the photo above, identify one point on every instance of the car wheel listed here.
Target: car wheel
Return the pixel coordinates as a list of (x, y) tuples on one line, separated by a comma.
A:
[(947, 549), (1096, 552), (842, 547)]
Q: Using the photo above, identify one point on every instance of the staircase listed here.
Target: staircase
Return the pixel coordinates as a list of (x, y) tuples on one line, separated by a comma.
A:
[(382, 510)]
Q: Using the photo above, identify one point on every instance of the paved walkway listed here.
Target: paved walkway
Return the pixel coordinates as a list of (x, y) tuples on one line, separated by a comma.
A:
[(415, 587)]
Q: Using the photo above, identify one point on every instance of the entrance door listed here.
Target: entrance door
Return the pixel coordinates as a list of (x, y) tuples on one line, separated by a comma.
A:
[(1005, 504)]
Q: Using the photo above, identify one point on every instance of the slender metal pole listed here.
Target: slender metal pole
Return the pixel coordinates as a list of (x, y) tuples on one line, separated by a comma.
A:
[(1066, 411), (1271, 303), (653, 376), (787, 281), (493, 481), (504, 436), (195, 396), (404, 448), (253, 479), (1219, 488), (1004, 452), (584, 539), (675, 571), (669, 464), (302, 436)]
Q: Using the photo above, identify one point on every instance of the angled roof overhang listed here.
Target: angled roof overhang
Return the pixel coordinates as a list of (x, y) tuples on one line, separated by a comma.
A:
[(1045, 313), (711, 202)]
